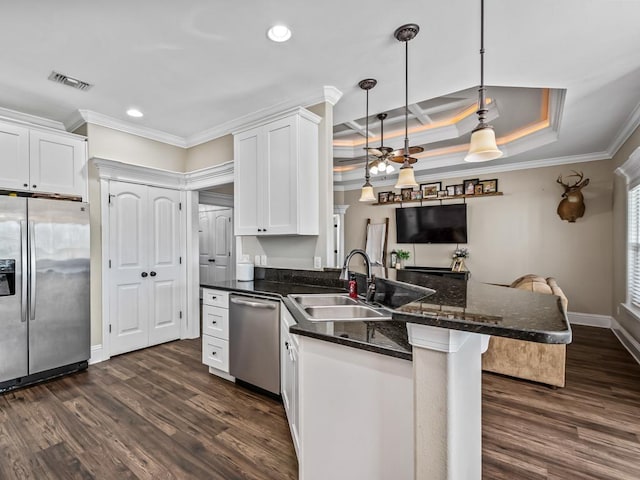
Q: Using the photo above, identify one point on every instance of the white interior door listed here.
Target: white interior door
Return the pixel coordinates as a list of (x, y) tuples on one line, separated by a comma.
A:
[(222, 238), (128, 249), (164, 265), (205, 237)]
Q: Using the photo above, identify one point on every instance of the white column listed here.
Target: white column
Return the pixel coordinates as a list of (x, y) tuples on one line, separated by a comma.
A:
[(447, 380)]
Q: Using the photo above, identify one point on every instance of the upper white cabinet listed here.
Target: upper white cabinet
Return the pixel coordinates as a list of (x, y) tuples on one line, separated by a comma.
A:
[(276, 176), (45, 161)]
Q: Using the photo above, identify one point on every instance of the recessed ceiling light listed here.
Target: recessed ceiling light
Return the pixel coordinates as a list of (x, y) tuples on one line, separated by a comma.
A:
[(279, 33), (134, 112)]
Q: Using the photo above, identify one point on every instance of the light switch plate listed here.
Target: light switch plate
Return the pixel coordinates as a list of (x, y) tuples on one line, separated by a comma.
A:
[(257, 260), (263, 260), (317, 262)]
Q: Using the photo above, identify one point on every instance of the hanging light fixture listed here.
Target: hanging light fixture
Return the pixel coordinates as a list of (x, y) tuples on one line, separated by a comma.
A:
[(483, 145), (383, 153), (367, 188), (406, 179)]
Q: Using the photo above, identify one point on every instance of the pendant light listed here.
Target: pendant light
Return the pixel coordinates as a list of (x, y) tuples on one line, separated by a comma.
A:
[(483, 145), (406, 179), (382, 152), (367, 189)]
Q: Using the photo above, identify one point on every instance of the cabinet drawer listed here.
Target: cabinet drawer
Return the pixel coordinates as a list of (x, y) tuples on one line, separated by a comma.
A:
[(215, 353), (215, 298), (215, 321)]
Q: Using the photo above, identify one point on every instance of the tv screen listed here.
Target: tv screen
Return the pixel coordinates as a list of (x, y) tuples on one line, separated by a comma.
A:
[(437, 224)]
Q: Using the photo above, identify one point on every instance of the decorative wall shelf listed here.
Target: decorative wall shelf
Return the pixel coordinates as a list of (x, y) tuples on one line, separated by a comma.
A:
[(454, 197)]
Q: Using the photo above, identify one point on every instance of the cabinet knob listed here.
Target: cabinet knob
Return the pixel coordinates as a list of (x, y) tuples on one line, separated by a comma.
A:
[(213, 353), (34, 186), (264, 229), (213, 322), (144, 274), (286, 344), (153, 274), (25, 185), (212, 260), (259, 229)]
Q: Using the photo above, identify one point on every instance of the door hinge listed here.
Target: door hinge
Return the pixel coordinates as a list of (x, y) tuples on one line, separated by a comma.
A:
[(109, 263), (109, 328), (180, 206), (180, 260), (229, 253), (109, 196), (180, 313)]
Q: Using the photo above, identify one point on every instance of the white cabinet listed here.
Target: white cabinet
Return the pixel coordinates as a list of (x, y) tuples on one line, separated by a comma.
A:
[(289, 376), (215, 331), (276, 176), (42, 161), (145, 275)]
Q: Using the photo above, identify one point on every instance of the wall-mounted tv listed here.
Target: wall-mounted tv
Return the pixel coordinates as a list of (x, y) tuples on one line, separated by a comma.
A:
[(436, 224)]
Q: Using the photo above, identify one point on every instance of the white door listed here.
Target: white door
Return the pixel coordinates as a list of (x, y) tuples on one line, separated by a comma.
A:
[(56, 163), (144, 278), (164, 265), (14, 157), (215, 238), (128, 250)]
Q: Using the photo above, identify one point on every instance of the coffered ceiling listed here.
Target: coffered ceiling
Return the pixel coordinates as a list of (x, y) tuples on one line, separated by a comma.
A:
[(193, 66)]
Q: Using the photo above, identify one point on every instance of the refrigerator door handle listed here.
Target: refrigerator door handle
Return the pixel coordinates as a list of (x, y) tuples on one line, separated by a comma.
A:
[(23, 271), (32, 271)]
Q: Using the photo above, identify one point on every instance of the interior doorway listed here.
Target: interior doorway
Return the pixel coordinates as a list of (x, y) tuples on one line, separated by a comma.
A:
[(216, 244)]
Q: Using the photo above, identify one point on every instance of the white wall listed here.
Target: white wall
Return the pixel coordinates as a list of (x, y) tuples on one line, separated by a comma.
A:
[(520, 233)]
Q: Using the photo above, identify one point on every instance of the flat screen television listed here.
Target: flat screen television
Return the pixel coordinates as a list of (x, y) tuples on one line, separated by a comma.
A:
[(436, 224)]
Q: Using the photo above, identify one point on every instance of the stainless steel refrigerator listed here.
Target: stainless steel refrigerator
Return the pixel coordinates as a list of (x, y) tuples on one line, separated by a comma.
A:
[(44, 289)]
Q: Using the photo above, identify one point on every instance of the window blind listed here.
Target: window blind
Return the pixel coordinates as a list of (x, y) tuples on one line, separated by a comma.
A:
[(633, 257)]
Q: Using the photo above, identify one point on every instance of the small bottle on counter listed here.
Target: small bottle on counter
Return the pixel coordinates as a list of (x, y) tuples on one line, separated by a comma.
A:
[(394, 258), (353, 286)]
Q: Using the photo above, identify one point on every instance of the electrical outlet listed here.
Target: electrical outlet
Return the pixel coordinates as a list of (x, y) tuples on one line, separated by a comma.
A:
[(257, 260), (317, 262), (263, 260)]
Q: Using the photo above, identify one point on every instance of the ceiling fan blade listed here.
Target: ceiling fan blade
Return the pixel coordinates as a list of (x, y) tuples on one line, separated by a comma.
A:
[(412, 151), (400, 159)]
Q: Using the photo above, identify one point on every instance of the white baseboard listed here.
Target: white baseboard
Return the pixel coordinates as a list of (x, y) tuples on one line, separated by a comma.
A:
[(627, 340), (96, 354), (589, 319)]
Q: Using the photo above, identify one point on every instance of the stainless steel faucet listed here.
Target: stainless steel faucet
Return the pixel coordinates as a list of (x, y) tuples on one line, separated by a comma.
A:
[(344, 274)]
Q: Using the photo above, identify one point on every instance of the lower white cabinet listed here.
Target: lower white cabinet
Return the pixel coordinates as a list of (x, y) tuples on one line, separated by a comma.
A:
[(215, 331), (289, 376)]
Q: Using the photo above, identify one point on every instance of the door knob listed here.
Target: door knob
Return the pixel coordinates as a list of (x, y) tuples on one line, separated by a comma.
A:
[(144, 274), (153, 274)]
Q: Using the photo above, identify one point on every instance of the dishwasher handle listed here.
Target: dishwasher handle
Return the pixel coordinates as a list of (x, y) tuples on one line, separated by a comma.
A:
[(248, 303)]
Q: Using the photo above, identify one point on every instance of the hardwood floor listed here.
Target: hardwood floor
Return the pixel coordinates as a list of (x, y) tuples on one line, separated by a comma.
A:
[(588, 430), (157, 413)]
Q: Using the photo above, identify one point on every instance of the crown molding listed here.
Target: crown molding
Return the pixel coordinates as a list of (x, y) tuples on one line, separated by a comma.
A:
[(353, 182), (630, 169), (329, 94), (209, 177), (126, 172), (127, 127), (303, 112), (26, 118), (217, 199), (340, 209), (630, 125), (557, 98)]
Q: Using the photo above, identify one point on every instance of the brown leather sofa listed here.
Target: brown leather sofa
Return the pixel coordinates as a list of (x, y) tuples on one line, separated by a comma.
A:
[(539, 362)]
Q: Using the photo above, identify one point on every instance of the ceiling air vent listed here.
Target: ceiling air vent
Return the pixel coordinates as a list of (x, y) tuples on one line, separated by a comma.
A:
[(69, 81)]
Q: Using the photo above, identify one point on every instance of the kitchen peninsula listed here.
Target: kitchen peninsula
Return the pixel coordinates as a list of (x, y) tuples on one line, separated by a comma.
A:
[(428, 356)]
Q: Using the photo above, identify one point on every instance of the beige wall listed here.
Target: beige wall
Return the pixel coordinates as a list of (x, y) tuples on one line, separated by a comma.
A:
[(209, 154), (521, 233), (628, 322), (297, 251), (123, 147)]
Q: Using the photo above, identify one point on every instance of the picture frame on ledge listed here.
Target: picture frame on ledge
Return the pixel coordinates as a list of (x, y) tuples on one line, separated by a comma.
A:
[(406, 193), (451, 190), (383, 197), (470, 186), (416, 195), (479, 189), (489, 186), (459, 189), (430, 190)]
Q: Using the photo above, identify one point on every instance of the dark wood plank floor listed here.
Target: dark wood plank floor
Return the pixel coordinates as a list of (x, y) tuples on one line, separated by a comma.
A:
[(157, 413)]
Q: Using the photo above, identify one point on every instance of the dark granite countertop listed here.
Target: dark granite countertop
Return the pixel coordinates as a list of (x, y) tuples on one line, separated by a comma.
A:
[(420, 298)]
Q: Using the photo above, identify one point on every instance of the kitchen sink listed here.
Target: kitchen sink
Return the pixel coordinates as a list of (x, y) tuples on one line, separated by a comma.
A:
[(346, 312), (322, 300), (338, 307)]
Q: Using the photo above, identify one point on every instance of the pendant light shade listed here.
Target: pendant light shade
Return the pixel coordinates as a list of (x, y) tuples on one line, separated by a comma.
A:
[(407, 178), (366, 195), (483, 145)]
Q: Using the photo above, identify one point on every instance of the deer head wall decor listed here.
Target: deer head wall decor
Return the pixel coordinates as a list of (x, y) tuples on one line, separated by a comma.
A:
[(572, 205)]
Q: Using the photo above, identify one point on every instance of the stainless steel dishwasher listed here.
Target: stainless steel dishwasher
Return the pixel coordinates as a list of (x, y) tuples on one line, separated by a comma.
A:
[(254, 341)]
